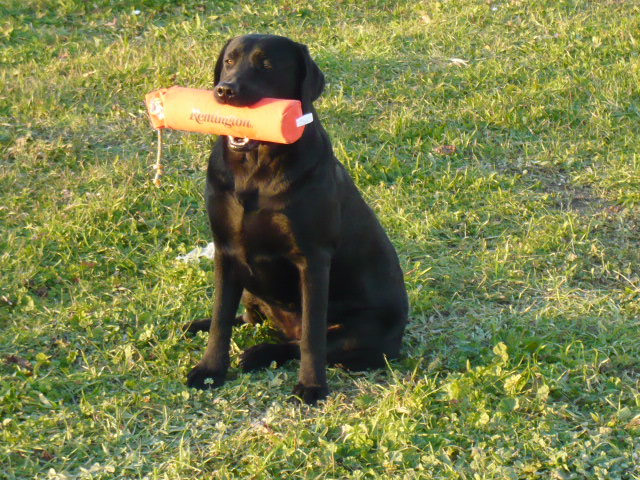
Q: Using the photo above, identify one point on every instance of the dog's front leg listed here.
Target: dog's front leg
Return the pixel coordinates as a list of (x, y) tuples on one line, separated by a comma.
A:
[(212, 369), (314, 279)]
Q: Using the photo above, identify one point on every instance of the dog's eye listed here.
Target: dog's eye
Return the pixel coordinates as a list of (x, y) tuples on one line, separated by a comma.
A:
[(228, 61), (266, 64)]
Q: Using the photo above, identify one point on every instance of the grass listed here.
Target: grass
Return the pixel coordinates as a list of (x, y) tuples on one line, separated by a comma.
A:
[(520, 247)]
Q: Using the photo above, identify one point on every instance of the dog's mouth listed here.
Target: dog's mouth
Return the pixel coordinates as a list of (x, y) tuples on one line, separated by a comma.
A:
[(241, 144)]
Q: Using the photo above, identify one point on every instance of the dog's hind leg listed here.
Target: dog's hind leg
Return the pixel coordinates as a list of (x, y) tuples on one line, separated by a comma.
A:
[(365, 343)]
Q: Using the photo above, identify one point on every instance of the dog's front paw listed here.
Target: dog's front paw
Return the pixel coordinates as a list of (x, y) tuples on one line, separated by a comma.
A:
[(310, 395), (203, 378)]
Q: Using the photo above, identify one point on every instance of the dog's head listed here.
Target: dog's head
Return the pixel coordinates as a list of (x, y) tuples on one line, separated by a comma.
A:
[(252, 67)]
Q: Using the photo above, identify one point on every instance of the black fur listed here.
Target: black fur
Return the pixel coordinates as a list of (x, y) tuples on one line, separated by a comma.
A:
[(294, 239)]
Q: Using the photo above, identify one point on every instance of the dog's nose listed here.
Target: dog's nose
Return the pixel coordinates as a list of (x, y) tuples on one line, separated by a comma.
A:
[(225, 91)]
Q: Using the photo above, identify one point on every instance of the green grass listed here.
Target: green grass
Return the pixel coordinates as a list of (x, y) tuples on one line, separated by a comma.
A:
[(521, 248)]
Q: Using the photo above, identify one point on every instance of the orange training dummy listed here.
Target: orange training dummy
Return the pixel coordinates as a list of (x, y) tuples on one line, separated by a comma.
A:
[(196, 110)]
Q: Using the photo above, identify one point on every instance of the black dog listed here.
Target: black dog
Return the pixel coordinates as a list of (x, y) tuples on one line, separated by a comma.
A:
[(294, 238)]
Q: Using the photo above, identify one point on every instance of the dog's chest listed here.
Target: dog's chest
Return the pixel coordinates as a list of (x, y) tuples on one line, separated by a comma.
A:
[(260, 240), (250, 226), (265, 232)]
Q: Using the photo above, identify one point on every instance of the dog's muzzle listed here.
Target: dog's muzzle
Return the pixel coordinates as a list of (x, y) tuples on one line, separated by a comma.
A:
[(241, 144)]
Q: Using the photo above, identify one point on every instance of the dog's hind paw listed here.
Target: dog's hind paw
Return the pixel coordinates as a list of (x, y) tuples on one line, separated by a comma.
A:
[(262, 355), (204, 378), (204, 325), (309, 395), (196, 326)]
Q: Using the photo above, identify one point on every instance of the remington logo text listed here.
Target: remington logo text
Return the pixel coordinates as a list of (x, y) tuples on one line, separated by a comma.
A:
[(219, 119)]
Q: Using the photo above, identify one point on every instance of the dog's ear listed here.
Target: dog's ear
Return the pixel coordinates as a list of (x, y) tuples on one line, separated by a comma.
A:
[(219, 63), (312, 83)]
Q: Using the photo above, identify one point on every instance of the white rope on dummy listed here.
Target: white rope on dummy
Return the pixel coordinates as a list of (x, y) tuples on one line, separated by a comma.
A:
[(158, 166)]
